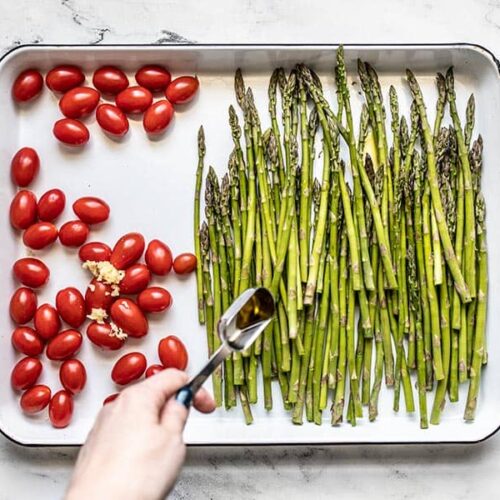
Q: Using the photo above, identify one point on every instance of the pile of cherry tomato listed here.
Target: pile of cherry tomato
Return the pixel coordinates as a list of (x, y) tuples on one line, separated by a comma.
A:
[(123, 305), (79, 101)]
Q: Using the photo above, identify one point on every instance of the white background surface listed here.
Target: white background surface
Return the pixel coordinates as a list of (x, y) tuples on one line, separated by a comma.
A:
[(345, 472)]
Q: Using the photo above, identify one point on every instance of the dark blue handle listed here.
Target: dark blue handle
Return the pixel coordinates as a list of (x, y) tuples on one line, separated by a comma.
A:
[(185, 396)]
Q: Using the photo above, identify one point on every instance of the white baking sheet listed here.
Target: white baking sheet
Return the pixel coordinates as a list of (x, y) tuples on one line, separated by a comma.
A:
[(149, 186)]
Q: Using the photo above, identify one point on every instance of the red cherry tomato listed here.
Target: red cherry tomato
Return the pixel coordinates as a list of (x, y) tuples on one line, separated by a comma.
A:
[(27, 85), (128, 368), (110, 398), (61, 409), (110, 80), (136, 279), (74, 233), (158, 258), (153, 370), (23, 305), (185, 263), (91, 210), (79, 102), (51, 205), (70, 305), (26, 341), (157, 117), (64, 77), (154, 299), (98, 296), (40, 235), (126, 315), (154, 78), (95, 251), (73, 376), (172, 353), (64, 345), (25, 373), (128, 249), (24, 167), (35, 399), (182, 89), (71, 132), (101, 334), (112, 119), (31, 272), (134, 100), (47, 322), (23, 209)]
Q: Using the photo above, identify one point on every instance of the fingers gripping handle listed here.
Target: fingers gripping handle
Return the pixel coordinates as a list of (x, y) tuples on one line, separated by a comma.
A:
[(185, 396)]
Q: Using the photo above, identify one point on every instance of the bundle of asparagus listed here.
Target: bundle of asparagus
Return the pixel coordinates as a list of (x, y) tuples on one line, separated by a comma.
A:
[(403, 249)]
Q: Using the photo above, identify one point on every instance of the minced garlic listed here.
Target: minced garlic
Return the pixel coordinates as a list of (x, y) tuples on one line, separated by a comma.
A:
[(107, 273), (117, 332), (98, 315)]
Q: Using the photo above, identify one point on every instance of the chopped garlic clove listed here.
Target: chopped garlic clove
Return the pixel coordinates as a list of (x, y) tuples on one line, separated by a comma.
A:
[(105, 272), (98, 315), (117, 332)]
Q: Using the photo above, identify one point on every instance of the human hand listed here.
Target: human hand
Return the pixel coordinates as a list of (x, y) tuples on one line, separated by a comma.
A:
[(135, 449)]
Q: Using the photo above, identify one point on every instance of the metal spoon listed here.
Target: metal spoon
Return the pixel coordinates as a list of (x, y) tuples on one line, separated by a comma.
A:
[(238, 328)]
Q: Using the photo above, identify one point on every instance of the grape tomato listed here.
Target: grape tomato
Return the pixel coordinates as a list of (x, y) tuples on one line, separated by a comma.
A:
[(136, 279), (24, 166), (158, 258), (23, 305), (51, 204), (112, 120), (27, 85), (31, 272), (128, 368), (101, 334), (172, 353), (134, 100), (182, 89), (154, 300), (47, 322), (73, 375), (91, 210), (71, 132), (110, 80), (127, 315), (70, 305), (64, 345), (98, 296), (73, 233), (95, 251), (157, 117), (26, 341), (128, 250), (153, 77), (185, 263), (40, 235), (23, 209), (79, 102), (35, 399), (25, 373), (64, 77), (153, 370), (61, 409)]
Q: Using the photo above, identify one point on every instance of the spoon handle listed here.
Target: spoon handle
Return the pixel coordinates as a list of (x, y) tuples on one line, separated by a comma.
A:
[(186, 394)]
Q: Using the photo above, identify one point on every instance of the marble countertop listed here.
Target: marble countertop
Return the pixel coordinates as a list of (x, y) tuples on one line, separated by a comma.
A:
[(389, 472)]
